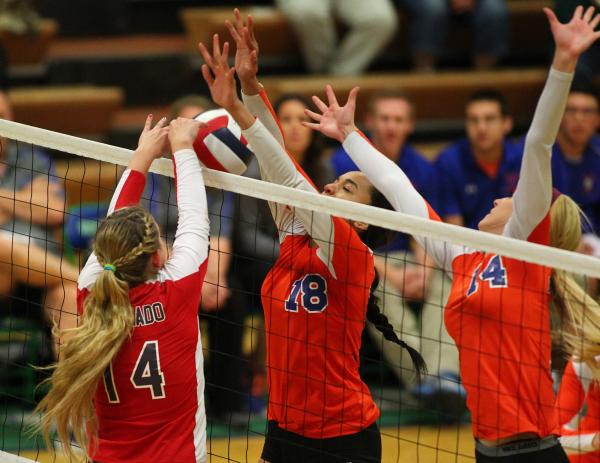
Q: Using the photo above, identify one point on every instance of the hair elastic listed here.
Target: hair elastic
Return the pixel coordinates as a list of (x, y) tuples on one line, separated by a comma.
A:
[(110, 267)]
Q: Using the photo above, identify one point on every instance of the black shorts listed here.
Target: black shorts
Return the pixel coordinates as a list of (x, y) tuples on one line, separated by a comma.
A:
[(547, 450), (283, 446)]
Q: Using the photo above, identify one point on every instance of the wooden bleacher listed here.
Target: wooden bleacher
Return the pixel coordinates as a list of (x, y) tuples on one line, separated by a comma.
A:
[(438, 97), (87, 180), (76, 110), (528, 29)]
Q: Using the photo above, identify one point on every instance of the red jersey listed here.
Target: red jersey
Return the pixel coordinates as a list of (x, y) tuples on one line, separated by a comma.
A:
[(150, 403), (315, 300), (578, 412), (498, 311)]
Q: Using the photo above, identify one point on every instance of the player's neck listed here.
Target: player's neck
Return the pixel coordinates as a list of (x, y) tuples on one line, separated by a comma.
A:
[(571, 149)]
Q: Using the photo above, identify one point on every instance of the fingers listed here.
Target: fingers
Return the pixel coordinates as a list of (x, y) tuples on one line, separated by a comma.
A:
[(578, 13), (161, 123), (594, 22), (312, 125), (206, 55), (251, 28), (319, 104), (352, 96), (552, 19), (239, 24), (216, 47), (589, 13), (207, 75), (313, 115), (247, 39), (233, 32), (148, 122), (331, 96)]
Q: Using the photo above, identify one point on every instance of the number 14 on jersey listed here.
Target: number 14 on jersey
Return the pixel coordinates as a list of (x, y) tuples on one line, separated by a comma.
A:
[(494, 274)]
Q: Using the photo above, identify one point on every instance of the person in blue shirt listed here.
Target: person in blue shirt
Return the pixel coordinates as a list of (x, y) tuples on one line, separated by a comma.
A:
[(576, 156), (482, 167), (406, 272)]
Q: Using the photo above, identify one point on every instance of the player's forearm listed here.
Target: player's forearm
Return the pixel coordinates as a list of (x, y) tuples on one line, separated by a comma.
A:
[(219, 260), (33, 205), (258, 104), (534, 189)]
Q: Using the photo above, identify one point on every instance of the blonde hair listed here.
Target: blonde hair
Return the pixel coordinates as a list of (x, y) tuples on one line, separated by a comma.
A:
[(125, 240), (579, 313)]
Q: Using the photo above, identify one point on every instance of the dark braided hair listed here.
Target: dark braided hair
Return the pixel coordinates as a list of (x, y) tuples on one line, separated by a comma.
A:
[(381, 322)]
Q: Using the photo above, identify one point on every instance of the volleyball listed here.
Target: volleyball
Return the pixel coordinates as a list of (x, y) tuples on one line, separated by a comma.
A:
[(220, 145)]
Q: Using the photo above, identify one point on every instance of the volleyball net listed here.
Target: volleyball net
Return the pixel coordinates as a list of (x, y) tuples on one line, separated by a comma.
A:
[(43, 246)]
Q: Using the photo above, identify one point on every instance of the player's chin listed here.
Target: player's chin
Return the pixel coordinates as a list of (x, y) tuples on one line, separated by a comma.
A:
[(484, 224)]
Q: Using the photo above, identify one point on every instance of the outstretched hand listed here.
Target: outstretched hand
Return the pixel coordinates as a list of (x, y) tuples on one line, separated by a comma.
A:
[(153, 140), (246, 55), (575, 37), (218, 75), (335, 121)]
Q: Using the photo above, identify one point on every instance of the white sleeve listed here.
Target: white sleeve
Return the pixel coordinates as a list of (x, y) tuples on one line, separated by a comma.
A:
[(392, 182), (578, 443), (532, 197), (277, 167), (260, 107), (190, 248)]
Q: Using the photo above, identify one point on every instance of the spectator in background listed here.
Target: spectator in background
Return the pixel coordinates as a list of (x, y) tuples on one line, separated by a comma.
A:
[(484, 166), (256, 246), (32, 205), (407, 273), (588, 65), (576, 158), (371, 25), (429, 20), (222, 306)]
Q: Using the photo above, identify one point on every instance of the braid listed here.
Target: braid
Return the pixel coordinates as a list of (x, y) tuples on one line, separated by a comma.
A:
[(381, 322), (133, 237), (147, 245)]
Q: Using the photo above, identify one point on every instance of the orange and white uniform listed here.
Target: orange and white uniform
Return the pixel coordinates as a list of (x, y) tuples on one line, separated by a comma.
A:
[(578, 412), (497, 312), (314, 300)]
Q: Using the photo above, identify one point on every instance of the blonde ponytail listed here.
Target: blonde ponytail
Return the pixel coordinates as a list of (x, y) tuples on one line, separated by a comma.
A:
[(123, 245), (578, 311)]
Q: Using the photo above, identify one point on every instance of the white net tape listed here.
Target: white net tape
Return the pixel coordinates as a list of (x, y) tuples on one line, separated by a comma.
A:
[(529, 252)]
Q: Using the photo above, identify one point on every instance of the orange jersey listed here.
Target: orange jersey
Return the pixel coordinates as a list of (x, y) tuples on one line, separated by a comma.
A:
[(315, 301), (498, 310), (314, 323), (498, 315), (578, 412)]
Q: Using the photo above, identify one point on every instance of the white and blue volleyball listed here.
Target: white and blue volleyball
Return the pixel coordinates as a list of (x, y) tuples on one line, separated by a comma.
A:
[(220, 145)]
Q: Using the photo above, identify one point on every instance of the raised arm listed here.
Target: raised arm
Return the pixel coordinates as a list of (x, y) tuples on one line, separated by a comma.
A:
[(190, 248), (246, 67), (337, 122), (275, 164), (531, 201), (129, 190)]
